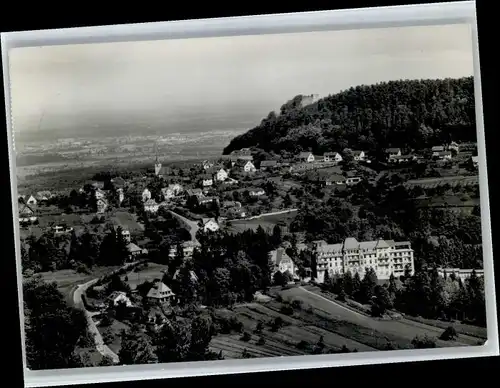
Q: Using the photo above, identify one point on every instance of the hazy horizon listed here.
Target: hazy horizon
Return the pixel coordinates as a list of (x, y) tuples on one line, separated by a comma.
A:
[(213, 84)]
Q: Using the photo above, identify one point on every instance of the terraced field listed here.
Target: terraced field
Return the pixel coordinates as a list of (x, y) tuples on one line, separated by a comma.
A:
[(320, 317)]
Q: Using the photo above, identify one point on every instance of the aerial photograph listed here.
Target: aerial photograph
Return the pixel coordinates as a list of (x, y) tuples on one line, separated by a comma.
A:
[(247, 196)]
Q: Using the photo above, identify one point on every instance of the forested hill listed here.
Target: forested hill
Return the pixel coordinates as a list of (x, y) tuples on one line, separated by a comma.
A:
[(409, 113)]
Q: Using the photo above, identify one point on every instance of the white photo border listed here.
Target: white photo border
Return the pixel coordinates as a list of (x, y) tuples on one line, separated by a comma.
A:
[(460, 12)]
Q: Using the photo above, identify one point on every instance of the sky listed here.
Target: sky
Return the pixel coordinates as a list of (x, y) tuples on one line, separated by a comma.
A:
[(216, 83)]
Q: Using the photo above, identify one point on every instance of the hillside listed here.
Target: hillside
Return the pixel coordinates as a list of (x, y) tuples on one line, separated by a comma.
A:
[(406, 113)]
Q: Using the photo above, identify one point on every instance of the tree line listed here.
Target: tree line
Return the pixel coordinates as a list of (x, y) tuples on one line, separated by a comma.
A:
[(405, 113), (425, 294)]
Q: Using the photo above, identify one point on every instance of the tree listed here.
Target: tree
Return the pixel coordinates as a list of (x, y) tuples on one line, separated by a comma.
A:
[(449, 334), (280, 279), (172, 342), (424, 342), (381, 301), (368, 285), (52, 328), (276, 237), (202, 331), (136, 348)]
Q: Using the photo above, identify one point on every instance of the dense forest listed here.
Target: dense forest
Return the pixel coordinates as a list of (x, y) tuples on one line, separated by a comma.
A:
[(409, 113)]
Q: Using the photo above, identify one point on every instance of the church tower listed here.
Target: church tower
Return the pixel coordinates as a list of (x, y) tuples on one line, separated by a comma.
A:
[(157, 162)]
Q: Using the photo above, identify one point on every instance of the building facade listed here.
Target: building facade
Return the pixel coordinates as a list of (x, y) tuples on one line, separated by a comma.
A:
[(386, 257)]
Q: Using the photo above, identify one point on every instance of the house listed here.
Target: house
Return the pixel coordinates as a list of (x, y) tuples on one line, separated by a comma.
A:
[(146, 195), (126, 236), (230, 204), (453, 147), (210, 225), (97, 185), (475, 161), (463, 274), (42, 196), (192, 276), (282, 262), (245, 165), (436, 150), (171, 191), (117, 297), (268, 164), (102, 205), (353, 180), (198, 193), (256, 192), (160, 293), (207, 164), (221, 175), (332, 157), (443, 155), (27, 213), (118, 182), (121, 195), (392, 152), (100, 194), (151, 206), (307, 157), (335, 179), (358, 156), (207, 180), (133, 251), (402, 159), (205, 200), (31, 201)]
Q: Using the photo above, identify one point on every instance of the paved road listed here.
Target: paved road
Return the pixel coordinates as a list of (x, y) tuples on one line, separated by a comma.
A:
[(193, 225), (402, 328), (452, 180), (99, 342)]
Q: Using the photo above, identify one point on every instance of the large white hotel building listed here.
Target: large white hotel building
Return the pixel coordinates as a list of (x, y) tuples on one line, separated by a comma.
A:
[(386, 257)]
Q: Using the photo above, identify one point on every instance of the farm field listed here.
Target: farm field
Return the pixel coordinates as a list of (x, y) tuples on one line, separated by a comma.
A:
[(151, 272), (451, 180), (267, 222), (127, 221)]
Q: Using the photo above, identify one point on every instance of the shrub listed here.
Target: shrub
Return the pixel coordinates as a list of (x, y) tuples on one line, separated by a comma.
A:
[(261, 341), (259, 328), (246, 337), (449, 334), (424, 342), (297, 304), (287, 310), (302, 345)]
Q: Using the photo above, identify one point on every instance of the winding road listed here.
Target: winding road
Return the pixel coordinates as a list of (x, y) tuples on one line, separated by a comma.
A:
[(101, 347), (192, 225)]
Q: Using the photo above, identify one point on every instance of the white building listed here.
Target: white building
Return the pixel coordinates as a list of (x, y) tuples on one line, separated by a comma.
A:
[(256, 192), (392, 152), (221, 175), (146, 195), (151, 206), (358, 156), (31, 201), (386, 257), (99, 194), (282, 262), (332, 157), (117, 297), (210, 225), (102, 205), (121, 195), (306, 157)]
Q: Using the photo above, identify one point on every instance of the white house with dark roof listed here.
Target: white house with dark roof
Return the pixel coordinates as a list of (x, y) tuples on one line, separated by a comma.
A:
[(100, 194), (210, 225), (392, 152), (146, 195), (443, 155), (160, 293), (245, 165), (475, 161), (102, 205), (27, 213), (332, 157), (221, 175), (306, 157), (282, 262), (31, 201), (117, 297), (268, 164), (358, 156), (386, 257)]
